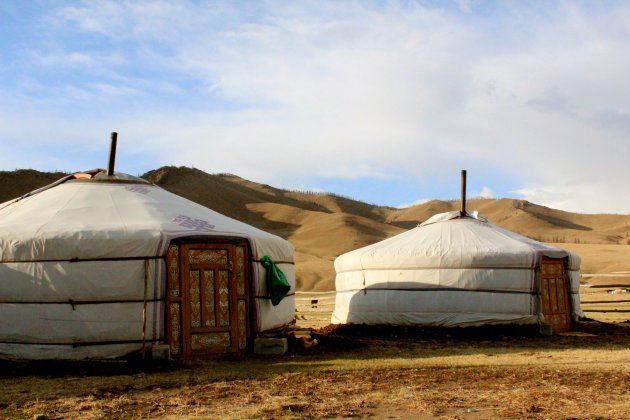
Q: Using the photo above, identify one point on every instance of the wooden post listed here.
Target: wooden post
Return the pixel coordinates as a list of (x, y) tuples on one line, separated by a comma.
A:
[(463, 208), (112, 154)]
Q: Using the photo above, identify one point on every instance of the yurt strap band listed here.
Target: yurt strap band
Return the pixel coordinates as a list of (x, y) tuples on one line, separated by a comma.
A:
[(72, 260), (435, 268), (78, 344), (276, 262), (83, 302), (269, 297), (439, 289)]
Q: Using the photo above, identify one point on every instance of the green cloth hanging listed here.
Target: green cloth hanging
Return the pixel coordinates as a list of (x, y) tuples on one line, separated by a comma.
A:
[(277, 284)]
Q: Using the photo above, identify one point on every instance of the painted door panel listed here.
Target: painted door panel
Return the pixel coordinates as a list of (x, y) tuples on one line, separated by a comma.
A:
[(208, 299), (554, 295)]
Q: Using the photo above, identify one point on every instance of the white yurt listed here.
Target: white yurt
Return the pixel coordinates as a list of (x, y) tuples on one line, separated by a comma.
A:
[(456, 269), (104, 265)]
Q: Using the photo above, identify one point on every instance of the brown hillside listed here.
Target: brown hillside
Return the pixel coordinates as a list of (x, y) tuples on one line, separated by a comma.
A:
[(532, 220), (323, 226), (14, 184), (320, 226)]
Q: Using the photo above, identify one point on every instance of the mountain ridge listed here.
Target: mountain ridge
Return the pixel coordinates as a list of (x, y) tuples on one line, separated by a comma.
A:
[(322, 226)]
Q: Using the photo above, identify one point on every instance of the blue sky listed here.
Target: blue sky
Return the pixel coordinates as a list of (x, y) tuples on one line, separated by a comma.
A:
[(382, 101)]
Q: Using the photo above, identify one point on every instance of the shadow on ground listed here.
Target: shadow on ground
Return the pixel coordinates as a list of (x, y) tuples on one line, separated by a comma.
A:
[(350, 342)]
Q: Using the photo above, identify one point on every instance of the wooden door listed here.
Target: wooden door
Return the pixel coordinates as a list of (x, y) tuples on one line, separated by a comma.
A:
[(554, 294), (207, 299)]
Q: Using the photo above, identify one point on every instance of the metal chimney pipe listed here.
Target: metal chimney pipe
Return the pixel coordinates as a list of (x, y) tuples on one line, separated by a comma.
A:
[(463, 208), (112, 154)]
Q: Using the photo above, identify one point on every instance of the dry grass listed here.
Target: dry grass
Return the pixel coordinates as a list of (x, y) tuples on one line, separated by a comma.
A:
[(603, 294), (421, 375), (602, 258)]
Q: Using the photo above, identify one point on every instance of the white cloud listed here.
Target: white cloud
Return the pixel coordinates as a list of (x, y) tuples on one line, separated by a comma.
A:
[(65, 59), (464, 5), (283, 93), (415, 203), (486, 192), (588, 196), (115, 90)]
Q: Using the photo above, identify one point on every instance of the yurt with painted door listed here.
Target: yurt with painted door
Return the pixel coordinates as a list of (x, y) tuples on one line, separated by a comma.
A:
[(104, 265), (457, 269)]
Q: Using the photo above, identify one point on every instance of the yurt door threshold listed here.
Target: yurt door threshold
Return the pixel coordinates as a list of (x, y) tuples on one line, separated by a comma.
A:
[(208, 301), (554, 294)]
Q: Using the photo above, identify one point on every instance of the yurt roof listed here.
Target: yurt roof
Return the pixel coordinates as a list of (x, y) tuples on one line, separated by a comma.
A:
[(448, 240), (90, 215)]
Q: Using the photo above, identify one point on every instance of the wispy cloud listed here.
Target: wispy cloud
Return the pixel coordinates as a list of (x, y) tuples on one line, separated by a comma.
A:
[(66, 59), (289, 93), (486, 192), (584, 194)]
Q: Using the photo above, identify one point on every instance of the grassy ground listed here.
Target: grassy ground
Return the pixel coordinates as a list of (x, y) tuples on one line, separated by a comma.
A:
[(356, 372), (383, 373)]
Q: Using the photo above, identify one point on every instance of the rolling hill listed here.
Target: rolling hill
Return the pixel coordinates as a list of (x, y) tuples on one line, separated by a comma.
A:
[(323, 226)]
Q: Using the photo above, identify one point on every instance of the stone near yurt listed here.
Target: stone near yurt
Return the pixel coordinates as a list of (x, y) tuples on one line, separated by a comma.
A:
[(458, 271), (102, 266)]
